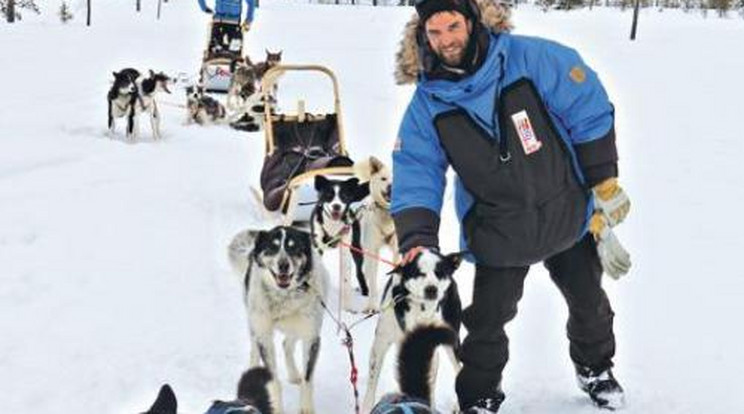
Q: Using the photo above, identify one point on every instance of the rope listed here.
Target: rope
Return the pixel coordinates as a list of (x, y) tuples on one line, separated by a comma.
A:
[(348, 340)]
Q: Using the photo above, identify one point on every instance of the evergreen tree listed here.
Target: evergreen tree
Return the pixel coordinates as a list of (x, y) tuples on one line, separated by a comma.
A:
[(65, 14)]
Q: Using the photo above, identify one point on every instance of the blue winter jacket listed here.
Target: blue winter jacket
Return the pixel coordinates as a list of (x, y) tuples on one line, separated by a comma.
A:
[(231, 9), (571, 91)]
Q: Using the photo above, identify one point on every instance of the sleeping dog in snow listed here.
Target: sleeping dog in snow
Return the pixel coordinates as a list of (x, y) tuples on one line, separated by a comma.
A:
[(253, 397), (415, 369), (284, 283), (421, 291)]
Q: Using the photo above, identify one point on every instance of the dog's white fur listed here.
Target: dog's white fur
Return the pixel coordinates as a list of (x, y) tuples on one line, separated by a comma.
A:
[(376, 223), (388, 331), (295, 312)]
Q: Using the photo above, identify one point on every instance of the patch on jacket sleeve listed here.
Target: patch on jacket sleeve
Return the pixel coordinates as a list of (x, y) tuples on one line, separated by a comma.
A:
[(527, 136), (577, 74), (398, 144)]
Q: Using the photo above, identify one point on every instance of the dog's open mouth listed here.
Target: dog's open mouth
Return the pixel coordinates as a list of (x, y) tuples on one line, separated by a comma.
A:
[(283, 280)]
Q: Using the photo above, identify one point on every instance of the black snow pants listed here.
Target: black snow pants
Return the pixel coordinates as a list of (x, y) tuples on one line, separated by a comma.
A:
[(577, 272)]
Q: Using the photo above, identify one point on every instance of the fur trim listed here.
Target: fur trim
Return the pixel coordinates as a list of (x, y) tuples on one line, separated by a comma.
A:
[(494, 15)]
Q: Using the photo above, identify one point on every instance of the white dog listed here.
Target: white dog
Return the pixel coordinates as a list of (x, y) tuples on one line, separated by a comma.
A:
[(376, 223), (285, 282)]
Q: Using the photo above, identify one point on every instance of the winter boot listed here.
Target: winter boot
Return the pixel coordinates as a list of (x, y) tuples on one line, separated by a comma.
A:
[(488, 405), (601, 386)]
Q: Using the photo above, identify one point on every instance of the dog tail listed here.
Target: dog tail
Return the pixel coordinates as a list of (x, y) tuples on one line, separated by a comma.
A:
[(239, 249), (414, 358), (253, 388)]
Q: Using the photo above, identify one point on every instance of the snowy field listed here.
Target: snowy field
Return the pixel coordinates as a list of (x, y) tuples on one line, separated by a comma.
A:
[(114, 276)]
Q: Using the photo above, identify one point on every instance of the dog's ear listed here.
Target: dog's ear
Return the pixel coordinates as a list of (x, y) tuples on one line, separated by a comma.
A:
[(321, 182), (452, 261), (375, 165), (152, 73), (116, 75), (165, 403)]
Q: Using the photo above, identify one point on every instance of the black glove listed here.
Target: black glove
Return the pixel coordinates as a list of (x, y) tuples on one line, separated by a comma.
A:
[(208, 11)]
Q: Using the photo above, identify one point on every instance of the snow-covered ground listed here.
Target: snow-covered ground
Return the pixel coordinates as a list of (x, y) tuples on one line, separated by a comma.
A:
[(113, 273)]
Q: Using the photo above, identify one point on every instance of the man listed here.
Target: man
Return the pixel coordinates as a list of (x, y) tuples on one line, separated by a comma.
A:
[(528, 129), (226, 36)]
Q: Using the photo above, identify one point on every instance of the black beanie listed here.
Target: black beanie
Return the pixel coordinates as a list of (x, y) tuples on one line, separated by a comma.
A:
[(426, 8)]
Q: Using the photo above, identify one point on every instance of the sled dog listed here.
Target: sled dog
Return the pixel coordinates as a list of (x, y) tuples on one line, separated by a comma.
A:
[(203, 109), (376, 223), (414, 371), (253, 397), (121, 99), (421, 291), (284, 284)]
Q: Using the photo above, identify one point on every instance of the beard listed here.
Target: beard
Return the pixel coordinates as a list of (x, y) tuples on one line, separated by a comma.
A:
[(453, 55)]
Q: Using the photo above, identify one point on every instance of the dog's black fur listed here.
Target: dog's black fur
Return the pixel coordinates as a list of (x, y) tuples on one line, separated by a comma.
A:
[(335, 199), (252, 397), (125, 79), (414, 370)]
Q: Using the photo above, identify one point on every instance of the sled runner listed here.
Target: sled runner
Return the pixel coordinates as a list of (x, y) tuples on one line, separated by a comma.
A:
[(300, 146)]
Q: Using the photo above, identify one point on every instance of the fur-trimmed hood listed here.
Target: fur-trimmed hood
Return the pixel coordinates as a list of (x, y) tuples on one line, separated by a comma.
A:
[(494, 16)]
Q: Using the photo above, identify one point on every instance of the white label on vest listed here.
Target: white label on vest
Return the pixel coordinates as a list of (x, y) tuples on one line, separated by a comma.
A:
[(527, 136)]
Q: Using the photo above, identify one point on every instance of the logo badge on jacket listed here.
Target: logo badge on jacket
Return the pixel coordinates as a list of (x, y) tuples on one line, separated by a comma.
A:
[(526, 133)]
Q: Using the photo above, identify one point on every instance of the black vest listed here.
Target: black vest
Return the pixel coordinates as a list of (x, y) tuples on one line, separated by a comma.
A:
[(529, 204)]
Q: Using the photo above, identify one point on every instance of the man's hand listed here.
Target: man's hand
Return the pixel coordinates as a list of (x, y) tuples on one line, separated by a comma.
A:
[(411, 254), (208, 11), (612, 201), (613, 256), (246, 26)]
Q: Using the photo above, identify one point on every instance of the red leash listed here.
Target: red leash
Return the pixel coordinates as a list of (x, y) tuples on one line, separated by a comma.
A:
[(366, 253)]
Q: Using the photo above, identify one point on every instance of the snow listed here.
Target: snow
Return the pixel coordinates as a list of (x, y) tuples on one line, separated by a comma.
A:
[(114, 274)]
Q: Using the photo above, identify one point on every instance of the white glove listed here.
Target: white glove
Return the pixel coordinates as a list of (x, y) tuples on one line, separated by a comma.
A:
[(613, 256)]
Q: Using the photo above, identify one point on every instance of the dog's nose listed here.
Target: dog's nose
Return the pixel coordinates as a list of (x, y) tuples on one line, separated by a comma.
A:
[(430, 292), (336, 207), (284, 266)]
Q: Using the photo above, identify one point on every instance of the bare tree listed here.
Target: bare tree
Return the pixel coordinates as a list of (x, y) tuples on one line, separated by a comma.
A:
[(12, 8)]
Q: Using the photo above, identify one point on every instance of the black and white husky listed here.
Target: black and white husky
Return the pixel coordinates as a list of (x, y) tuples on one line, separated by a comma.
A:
[(148, 87), (121, 98), (415, 369), (132, 94), (285, 282), (421, 291), (334, 220), (253, 397), (375, 223)]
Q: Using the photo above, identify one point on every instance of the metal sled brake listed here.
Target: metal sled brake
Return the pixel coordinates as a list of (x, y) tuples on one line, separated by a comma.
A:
[(300, 146)]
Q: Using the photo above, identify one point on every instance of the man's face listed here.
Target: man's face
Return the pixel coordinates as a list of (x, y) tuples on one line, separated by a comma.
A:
[(448, 33)]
